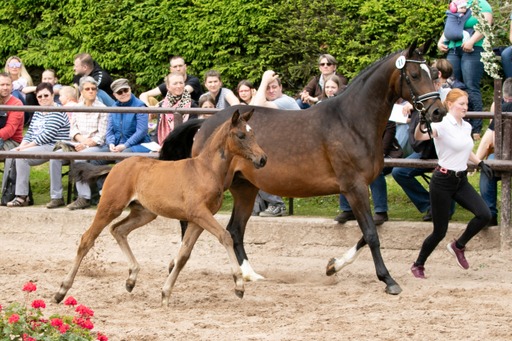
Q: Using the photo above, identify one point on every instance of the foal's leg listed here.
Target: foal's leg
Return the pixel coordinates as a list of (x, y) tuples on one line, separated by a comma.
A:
[(189, 238), (104, 216), (358, 199), (139, 216)]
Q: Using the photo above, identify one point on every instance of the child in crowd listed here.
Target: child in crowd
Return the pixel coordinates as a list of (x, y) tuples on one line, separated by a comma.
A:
[(206, 102)]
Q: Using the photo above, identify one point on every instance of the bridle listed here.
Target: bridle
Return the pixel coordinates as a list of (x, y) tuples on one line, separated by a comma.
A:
[(417, 101)]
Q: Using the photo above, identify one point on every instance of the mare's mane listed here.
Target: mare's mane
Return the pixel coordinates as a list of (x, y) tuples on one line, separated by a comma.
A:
[(368, 71)]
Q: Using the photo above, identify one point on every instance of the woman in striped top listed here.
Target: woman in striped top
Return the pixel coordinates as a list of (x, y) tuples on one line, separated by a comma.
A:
[(46, 128)]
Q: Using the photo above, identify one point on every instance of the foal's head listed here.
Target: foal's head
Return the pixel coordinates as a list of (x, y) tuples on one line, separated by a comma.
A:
[(242, 141)]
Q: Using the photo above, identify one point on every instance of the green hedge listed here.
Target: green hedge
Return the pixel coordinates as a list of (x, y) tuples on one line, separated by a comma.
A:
[(240, 38)]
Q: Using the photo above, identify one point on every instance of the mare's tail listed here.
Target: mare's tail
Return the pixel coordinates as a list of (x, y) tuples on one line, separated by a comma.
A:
[(87, 172), (178, 144)]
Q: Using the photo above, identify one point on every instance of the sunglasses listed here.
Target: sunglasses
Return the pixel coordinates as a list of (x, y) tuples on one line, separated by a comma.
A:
[(14, 64), (90, 89), (43, 96), (325, 64), (122, 91)]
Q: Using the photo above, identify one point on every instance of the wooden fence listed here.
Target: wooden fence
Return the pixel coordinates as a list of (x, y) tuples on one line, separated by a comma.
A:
[(502, 164)]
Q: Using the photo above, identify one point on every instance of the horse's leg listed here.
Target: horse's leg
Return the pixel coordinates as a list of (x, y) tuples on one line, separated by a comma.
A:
[(348, 258), (190, 236), (103, 217), (138, 217), (183, 225), (244, 195), (360, 203)]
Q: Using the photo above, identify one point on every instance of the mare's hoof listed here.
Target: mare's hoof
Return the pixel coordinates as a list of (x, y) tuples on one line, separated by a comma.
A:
[(331, 269), (239, 293), (129, 285), (393, 289)]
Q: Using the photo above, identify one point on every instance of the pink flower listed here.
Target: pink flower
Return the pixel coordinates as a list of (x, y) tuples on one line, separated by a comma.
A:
[(64, 328), (70, 301), (84, 311), (14, 318), (25, 337), (29, 287), (38, 304), (56, 322), (102, 337), (84, 323), (0, 307)]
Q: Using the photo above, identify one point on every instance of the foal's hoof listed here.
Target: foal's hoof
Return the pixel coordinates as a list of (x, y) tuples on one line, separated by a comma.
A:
[(58, 297), (393, 289), (130, 285), (331, 269), (239, 293)]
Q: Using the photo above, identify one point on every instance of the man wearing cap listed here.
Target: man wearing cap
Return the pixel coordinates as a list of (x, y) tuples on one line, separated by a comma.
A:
[(126, 131)]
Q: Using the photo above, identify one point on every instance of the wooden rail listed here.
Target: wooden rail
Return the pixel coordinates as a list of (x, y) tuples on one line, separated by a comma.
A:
[(502, 165)]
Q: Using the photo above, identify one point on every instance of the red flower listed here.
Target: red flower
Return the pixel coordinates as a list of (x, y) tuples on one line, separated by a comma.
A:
[(14, 318), (70, 301), (64, 328), (84, 323), (0, 307), (38, 304), (25, 337), (102, 337), (84, 311), (29, 286), (56, 322)]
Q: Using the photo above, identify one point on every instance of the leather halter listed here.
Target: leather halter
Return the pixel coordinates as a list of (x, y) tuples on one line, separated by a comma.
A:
[(418, 100)]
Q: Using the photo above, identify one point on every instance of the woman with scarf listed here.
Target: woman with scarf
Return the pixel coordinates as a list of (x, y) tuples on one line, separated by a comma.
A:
[(177, 97)]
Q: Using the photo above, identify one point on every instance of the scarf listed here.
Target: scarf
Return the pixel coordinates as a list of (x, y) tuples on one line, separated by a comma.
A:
[(166, 121)]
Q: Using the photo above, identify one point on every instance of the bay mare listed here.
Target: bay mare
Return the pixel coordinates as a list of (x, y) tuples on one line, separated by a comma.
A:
[(333, 147), (190, 189)]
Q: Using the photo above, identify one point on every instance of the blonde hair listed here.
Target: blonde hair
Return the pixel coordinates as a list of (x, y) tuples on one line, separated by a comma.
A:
[(23, 72), (69, 91)]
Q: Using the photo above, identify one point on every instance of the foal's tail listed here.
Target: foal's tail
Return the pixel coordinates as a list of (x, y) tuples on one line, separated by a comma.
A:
[(178, 144), (87, 172)]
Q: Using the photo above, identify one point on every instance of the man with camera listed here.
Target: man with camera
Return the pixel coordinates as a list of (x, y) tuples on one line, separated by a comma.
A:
[(11, 122)]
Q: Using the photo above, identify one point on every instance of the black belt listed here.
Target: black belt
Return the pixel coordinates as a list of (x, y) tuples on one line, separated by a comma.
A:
[(458, 174)]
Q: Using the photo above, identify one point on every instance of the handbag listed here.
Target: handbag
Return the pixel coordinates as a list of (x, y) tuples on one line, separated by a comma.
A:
[(8, 191)]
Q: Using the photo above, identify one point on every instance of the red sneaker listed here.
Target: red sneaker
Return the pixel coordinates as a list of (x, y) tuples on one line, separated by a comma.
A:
[(458, 254), (418, 271)]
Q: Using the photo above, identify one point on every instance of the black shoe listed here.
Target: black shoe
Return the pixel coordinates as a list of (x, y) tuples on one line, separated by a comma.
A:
[(345, 216), (380, 218), (428, 216), (493, 221)]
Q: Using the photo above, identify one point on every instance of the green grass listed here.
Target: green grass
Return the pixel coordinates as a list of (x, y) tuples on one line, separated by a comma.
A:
[(400, 207)]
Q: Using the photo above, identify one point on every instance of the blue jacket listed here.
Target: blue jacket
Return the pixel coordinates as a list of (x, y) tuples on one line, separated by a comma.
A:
[(126, 128)]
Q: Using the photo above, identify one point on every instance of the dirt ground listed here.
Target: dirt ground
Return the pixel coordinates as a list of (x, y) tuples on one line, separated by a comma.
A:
[(296, 301)]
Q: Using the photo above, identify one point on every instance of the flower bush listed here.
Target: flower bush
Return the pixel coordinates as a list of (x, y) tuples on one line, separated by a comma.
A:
[(488, 57), (26, 321)]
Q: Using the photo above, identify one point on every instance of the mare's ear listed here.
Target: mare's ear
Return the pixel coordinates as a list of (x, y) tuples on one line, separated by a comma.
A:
[(235, 118), (425, 47), (247, 115), (411, 50)]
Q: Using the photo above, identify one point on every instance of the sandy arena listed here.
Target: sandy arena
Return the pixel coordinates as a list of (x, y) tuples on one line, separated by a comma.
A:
[(297, 301)]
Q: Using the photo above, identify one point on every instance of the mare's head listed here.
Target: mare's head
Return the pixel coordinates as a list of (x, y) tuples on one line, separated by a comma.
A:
[(415, 83), (242, 141)]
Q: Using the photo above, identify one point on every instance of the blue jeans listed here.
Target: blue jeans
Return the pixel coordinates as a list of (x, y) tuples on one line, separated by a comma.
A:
[(468, 69), (489, 190), (379, 191), (506, 61), (406, 178)]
